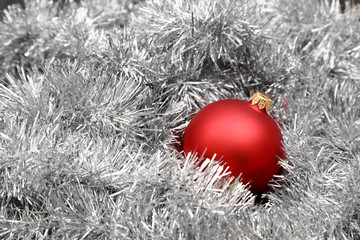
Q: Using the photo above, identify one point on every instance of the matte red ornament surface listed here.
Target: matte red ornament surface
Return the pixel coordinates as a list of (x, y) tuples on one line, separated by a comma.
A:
[(247, 138)]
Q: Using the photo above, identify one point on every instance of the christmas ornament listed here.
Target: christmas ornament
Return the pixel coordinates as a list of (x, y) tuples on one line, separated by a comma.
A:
[(242, 134)]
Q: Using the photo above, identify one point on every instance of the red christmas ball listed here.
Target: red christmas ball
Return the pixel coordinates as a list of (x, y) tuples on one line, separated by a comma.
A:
[(243, 134)]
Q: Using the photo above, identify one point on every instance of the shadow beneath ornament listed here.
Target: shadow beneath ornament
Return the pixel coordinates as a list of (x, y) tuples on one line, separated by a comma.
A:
[(261, 200)]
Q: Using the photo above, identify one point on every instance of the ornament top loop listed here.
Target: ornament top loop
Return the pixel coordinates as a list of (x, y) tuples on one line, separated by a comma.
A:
[(272, 90)]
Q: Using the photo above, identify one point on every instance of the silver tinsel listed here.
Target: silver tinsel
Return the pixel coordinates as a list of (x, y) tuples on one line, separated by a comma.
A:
[(94, 96)]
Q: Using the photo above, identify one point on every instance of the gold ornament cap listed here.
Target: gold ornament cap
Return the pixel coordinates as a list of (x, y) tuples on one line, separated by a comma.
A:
[(261, 99)]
